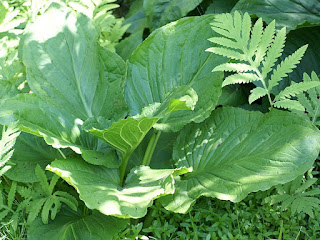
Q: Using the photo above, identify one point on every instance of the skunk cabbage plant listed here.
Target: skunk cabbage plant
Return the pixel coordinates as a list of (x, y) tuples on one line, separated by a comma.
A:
[(86, 98)]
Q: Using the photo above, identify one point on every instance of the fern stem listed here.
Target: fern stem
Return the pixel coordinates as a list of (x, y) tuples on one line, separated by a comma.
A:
[(262, 81), (268, 94)]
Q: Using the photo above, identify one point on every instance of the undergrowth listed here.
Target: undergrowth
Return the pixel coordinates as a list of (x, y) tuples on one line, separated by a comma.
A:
[(215, 219)]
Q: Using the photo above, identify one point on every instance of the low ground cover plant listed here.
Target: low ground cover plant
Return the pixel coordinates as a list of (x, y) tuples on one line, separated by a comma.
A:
[(95, 145)]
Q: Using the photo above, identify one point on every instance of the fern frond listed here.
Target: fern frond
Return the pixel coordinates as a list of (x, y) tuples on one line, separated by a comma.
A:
[(311, 193), (296, 88), (236, 33), (305, 204), (274, 199), (274, 52), (67, 196), (266, 40), (24, 192), (289, 104), (225, 42), (23, 205), (105, 7), (286, 67), (225, 52), (56, 207), (34, 209), (240, 78), (4, 169), (305, 186), (45, 210), (237, 20), (286, 203), (12, 193), (223, 32), (42, 179), (304, 101), (256, 51), (257, 93), (69, 203), (245, 31), (256, 36), (311, 99), (314, 77), (53, 183), (296, 197), (223, 25), (233, 67), (111, 29), (313, 93), (4, 213)]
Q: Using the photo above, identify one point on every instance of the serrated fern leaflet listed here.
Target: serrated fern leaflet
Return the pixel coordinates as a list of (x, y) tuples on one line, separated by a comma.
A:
[(255, 52)]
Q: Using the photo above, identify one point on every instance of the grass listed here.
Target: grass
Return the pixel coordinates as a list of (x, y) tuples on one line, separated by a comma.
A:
[(212, 219), (7, 231), (215, 219)]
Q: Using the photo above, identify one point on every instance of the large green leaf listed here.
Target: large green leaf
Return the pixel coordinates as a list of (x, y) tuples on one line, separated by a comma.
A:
[(236, 152), (161, 12), (126, 47), (126, 134), (291, 14), (136, 17), (64, 62), (69, 226), (100, 189), (72, 78), (221, 6), (41, 117), (30, 151), (172, 56)]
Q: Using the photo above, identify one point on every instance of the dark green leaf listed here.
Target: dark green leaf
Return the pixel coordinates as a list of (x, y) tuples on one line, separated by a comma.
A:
[(30, 151), (287, 13), (75, 227), (161, 12), (172, 56), (236, 152), (221, 6), (72, 78)]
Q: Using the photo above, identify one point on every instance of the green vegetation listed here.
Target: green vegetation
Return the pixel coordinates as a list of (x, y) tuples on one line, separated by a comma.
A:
[(140, 119)]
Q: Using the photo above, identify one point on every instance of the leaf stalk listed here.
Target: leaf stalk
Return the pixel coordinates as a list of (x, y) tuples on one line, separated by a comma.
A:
[(150, 149), (123, 167)]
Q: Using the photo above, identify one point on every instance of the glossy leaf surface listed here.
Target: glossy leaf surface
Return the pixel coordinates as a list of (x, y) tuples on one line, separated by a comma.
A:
[(236, 152), (71, 77), (161, 12), (287, 13), (173, 56), (100, 189)]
